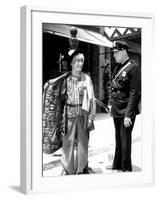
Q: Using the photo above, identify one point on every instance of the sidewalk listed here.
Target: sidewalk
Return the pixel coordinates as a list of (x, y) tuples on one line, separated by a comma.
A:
[(101, 148)]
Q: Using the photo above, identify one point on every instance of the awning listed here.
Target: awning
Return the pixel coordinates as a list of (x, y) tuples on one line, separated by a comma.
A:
[(83, 35)]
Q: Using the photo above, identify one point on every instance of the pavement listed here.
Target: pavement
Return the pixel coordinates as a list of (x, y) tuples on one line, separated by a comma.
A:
[(101, 148)]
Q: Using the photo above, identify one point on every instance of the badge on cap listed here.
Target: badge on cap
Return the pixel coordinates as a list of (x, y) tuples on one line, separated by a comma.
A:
[(123, 73)]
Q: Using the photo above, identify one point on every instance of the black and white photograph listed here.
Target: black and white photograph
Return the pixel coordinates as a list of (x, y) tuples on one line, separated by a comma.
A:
[(79, 100), (86, 88), (91, 100)]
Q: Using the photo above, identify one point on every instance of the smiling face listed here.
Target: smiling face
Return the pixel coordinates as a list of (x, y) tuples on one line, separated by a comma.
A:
[(77, 62)]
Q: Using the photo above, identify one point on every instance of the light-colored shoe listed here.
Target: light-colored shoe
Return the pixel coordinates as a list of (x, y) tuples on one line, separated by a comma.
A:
[(109, 167)]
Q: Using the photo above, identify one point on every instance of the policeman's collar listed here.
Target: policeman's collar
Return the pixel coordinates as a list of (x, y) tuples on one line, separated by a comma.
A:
[(125, 62)]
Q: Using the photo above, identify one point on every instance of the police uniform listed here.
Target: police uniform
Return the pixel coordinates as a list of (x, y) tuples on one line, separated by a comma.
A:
[(125, 97)]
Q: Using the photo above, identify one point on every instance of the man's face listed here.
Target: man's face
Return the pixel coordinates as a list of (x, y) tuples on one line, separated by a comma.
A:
[(118, 55), (77, 62)]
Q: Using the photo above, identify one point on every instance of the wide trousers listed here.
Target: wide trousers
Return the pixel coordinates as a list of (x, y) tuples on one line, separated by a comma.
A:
[(122, 158), (75, 146)]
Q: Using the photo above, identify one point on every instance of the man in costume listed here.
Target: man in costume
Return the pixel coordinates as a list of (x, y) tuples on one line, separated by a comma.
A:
[(125, 97), (69, 111)]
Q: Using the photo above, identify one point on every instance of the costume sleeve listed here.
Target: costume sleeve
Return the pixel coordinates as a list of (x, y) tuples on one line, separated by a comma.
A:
[(135, 91), (92, 111)]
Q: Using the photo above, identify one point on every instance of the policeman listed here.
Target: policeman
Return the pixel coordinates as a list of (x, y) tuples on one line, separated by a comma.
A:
[(125, 97)]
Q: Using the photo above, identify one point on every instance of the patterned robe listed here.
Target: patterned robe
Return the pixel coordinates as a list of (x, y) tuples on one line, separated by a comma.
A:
[(55, 110)]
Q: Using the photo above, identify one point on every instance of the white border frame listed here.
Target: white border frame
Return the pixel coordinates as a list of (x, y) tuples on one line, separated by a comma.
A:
[(31, 84)]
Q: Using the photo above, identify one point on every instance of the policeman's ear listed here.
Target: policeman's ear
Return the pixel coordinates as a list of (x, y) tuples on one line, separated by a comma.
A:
[(125, 52)]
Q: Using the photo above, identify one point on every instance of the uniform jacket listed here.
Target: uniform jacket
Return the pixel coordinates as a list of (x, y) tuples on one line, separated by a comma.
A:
[(126, 90)]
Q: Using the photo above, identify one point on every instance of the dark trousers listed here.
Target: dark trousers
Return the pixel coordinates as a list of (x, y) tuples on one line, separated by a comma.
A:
[(122, 158)]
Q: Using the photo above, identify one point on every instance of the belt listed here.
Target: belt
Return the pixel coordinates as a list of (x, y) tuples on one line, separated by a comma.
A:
[(119, 94), (118, 100), (74, 105)]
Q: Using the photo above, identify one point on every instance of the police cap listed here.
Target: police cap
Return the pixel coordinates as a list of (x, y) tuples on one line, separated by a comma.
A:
[(120, 45)]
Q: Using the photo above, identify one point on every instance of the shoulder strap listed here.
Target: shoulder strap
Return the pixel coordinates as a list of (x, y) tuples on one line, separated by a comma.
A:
[(121, 70)]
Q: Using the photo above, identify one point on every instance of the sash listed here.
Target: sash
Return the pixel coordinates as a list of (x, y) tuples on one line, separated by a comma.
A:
[(120, 71)]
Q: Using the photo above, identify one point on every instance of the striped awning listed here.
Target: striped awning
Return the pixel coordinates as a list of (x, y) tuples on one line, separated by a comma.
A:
[(83, 35)]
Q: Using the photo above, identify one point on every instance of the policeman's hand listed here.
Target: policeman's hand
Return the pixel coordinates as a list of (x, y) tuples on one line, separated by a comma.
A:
[(127, 122), (89, 123)]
